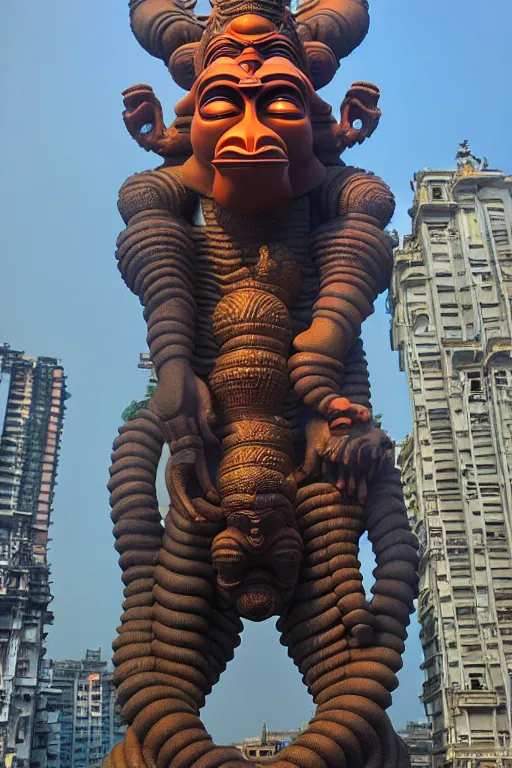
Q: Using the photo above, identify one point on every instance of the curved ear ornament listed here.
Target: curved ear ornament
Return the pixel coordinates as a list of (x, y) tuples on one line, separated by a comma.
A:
[(182, 65), (322, 62), (336, 25), (359, 115), (163, 26), (143, 118)]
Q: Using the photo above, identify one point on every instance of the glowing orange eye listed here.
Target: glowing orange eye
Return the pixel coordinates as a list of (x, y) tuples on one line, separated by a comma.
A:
[(218, 108), (286, 108)]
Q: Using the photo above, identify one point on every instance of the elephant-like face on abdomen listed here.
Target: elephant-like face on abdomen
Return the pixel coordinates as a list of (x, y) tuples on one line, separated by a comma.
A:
[(259, 581)]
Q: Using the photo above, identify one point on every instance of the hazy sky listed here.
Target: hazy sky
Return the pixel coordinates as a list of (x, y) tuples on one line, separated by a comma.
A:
[(444, 70)]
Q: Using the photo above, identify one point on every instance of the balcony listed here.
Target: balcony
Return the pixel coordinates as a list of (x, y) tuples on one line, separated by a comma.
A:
[(431, 687), (478, 699)]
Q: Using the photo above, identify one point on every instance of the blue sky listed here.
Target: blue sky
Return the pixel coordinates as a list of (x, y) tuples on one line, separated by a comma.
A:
[(443, 68)]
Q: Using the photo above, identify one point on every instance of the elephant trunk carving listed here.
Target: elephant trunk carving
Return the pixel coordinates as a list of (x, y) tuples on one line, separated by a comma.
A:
[(249, 381)]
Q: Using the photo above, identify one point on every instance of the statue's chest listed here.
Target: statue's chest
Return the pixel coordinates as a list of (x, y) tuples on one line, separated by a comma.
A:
[(220, 254)]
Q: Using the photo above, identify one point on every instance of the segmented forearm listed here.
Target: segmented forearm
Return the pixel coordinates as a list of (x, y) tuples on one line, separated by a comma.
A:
[(354, 259), (356, 382)]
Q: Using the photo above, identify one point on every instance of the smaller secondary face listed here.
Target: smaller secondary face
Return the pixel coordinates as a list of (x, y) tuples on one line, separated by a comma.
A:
[(251, 132)]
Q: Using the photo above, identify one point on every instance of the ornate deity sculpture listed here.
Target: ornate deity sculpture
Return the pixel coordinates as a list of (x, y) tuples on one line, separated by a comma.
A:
[(257, 254)]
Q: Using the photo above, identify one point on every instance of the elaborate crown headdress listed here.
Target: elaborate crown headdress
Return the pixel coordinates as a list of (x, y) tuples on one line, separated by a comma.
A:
[(328, 30)]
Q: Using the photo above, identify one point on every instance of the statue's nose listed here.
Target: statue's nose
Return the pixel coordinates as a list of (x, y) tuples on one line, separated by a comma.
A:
[(250, 135)]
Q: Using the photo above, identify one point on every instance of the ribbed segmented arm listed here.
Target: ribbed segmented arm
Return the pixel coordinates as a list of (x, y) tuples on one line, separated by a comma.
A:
[(156, 259), (354, 259), (356, 382)]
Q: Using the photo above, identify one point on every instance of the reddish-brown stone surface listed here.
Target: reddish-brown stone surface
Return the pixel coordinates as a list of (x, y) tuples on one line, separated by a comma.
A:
[(257, 255)]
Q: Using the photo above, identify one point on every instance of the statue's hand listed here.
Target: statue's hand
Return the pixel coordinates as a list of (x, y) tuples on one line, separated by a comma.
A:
[(356, 456), (351, 457), (182, 402)]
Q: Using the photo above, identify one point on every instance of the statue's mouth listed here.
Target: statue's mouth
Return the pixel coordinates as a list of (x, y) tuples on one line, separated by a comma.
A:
[(258, 602), (266, 156)]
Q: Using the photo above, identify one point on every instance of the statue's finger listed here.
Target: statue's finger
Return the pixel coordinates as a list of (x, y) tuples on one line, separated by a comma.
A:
[(178, 492), (340, 485), (350, 454), (362, 490), (205, 429), (205, 416), (210, 512), (311, 462), (364, 454), (203, 477), (182, 427), (352, 485)]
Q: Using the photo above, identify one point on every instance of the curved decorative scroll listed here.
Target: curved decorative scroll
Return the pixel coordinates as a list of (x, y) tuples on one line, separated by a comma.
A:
[(329, 30)]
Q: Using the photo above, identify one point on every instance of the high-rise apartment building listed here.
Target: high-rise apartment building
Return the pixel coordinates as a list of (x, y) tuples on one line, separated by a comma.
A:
[(32, 406), (451, 323), (90, 721), (47, 726), (417, 737)]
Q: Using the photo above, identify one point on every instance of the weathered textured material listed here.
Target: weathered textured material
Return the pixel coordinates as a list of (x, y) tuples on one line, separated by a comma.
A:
[(257, 254)]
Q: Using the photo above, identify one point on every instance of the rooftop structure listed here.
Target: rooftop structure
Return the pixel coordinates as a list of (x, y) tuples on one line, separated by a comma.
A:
[(267, 745)]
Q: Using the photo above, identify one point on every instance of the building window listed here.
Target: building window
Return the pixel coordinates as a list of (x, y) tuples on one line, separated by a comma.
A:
[(475, 382), (437, 193), (21, 731), (476, 682), (22, 667), (421, 324), (501, 378)]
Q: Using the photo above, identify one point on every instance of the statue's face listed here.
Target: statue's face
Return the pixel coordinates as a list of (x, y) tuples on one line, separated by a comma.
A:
[(251, 133), (258, 580)]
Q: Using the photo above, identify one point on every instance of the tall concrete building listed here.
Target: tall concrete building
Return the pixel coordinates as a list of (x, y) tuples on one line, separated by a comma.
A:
[(47, 726), (417, 738), (90, 722), (451, 324), (32, 406)]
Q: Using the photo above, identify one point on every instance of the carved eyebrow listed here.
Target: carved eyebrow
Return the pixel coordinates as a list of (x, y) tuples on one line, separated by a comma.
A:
[(287, 81), (227, 80)]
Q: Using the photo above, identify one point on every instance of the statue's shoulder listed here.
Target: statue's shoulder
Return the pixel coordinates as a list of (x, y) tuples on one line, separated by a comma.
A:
[(347, 189), (161, 188)]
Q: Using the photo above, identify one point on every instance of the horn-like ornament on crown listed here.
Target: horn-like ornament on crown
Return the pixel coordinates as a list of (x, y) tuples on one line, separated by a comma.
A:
[(326, 30)]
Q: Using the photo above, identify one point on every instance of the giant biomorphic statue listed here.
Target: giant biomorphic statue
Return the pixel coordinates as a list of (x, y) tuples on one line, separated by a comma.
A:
[(257, 254)]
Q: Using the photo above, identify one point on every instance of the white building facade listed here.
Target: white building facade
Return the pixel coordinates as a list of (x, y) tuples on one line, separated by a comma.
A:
[(451, 324)]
